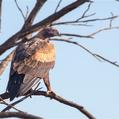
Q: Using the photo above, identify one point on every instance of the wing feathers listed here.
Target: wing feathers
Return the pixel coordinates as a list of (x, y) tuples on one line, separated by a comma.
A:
[(27, 84)]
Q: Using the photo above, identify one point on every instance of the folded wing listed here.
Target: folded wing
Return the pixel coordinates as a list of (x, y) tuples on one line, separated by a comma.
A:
[(31, 62)]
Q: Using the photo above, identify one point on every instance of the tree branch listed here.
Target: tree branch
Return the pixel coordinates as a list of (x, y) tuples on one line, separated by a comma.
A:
[(9, 105), (80, 20), (106, 28), (76, 35), (29, 94), (103, 29), (57, 98), (110, 27), (58, 5), (85, 21), (97, 56), (12, 41), (18, 115), (20, 10), (33, 13), (66, 102)]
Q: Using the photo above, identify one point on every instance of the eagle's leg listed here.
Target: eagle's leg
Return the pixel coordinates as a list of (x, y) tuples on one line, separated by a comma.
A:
[(47, 83)]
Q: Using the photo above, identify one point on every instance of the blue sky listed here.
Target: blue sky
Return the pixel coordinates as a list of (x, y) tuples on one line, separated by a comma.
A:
[(77, 76)]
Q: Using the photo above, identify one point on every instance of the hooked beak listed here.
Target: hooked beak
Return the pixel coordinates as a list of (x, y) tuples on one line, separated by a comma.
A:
[(57, 33)]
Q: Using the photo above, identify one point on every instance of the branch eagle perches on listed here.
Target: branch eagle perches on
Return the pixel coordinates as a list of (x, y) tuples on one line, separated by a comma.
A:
[(51, 96)]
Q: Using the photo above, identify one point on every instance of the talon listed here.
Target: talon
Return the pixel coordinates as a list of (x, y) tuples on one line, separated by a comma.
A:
[(50, 93)]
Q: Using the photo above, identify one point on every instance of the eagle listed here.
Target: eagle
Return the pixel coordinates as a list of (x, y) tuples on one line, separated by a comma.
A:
[(32, 62)]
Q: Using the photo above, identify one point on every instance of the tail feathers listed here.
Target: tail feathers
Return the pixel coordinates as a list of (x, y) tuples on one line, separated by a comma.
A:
[(28, 84), (14, 84)]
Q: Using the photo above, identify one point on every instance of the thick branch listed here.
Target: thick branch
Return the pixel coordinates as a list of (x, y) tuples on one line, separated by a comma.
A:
[(66, 102), (11, 42), (32, 15), (18, 115), (57, 98), (54, 17)]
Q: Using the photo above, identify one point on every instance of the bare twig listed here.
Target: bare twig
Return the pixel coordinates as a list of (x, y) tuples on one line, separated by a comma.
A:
[(103, 29), (22, 99), (110, 27), (9, 105), (20, 10), (85, 12), (77, 20), (76, 43), (99, 19), (15, 103), (77, 24), (85, 21), (97, 56), (27, 11), (76, 35), (104, 59), (111, 20), (18, 115), (58, 5)]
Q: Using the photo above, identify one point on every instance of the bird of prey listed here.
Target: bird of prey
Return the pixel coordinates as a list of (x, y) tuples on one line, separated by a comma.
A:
[(31, 62)]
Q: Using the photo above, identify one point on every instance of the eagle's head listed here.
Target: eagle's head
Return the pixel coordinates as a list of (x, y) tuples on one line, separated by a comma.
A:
[(50, 32)]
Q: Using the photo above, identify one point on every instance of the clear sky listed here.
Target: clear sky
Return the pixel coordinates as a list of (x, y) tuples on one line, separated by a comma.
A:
[(77, 76)]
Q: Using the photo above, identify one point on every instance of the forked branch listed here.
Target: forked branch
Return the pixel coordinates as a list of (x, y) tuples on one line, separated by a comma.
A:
[(95, 55), (12, 41)]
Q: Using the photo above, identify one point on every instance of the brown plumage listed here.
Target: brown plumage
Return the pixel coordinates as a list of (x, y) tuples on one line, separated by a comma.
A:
[(32, 61)]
